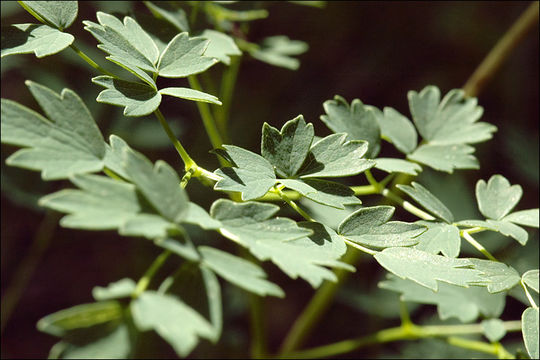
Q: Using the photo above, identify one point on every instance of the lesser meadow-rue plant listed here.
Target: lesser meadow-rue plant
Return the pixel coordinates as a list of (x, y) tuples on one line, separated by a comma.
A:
[(115, 187)]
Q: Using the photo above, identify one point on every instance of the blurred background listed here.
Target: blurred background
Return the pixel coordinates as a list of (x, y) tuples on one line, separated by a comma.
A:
[(374, 51)]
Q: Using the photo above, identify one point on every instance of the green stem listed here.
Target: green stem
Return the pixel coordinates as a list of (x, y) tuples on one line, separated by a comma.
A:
[(494, 349), (112, 174), (90, 61), (465, 234), (407, 205), (292, 204), (258, 342), (500, 52), (529, 297), (188, 162), (144, 281), (359, 247), (228, 82), (365, 190)]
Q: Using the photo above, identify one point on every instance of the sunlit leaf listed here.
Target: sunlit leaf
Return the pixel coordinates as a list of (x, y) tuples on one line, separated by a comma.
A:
[(42, 40)]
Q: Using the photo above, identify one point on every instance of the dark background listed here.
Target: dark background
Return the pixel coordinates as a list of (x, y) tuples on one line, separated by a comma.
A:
[(374, 51)]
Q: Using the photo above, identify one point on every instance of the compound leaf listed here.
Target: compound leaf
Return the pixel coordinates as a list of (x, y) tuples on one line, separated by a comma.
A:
[(524, 217), (190, 94), (359, 122), (494, 329), (501, 277), (370, 226), (119, 289), (287, 149), (324, 192), (183, 56), (334, 156), (531, 278), (497, 198), (221, 46), (240, 272), (426, 269), (138, 99), (466, 304), (391, 165), (251, 174), (67, 144), (428, 201), (439, 237), (529, 327), (100, 204), (398, 130), (172, 319), (61, 14), (504, 227), (278, 51), (42, 40), (445, 157)]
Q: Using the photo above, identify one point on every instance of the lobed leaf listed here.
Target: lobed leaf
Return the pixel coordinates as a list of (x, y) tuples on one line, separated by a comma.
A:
[(428, 201), (504, 227), (497, 198), (61, 14), (278, 51), (439, 237), (501, 277), (445, 157), (42, 40), (175, 16), (221, 46), (524, 217), (190, 94), (324, 192), (398, 130), (119, 289), (494, 329), (531, 278), (529, 327), (391, 165)]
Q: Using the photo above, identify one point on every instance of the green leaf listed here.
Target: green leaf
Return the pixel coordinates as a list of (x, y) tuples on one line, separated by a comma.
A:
[(426, 269), (358, 121), (252, 175), (176, 16), (42, 40), (324, 192), (138, 99), (221, 46), (287, 149), (391, 165), (445, 157), (529, 327), (159, 184), (501, 277), (100, 204), (190, 94), (180, 245), (531, 278), (183, 56), (439, 237), (524, 217), (119, 289), (61, 14), (278, 51), (198, 216), (428, 201), (150, 226), (239, 272), (67, 144), (370, 226), (114, 155), (221, 13), (127, 40), (80, 317), (466, 304), (497, 198), (504, 227), (494, 329), (172, 319), (398, 130), (334, 156), (424, 106)]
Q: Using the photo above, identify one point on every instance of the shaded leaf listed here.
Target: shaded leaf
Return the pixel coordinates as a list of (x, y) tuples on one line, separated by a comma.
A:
[(497, 198), (119, 289), (391, 165), (180, 245), (398, 130), (524, 217), (42, 40), (501, 277), (427, 200), (278, 51), (221, 46), (529, 326), (324, 192), (190, 94), (531, 279), (175, 16), (150, 226), (114, 155), (445, 157), (504, 227), (61, 14), (198, 216), (439, 237), (494, 329)]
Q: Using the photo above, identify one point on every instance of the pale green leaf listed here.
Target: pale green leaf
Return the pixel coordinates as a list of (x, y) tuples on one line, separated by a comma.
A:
[(439, 237), (138, 99), (391, 165), (278, 51), (150, 226), (427, 269), (501, 277), (239, 272), (221, 46), (198, 216), (119, 289), (529, 327), (287, 149), (497, 198), (531, 278), (61, 14), (324, 192), (172, 319), (466, 304), (358, 121), (190, 94), (100, 204), (134, 69), (42, 40), (180, 245), (183, 56), (424, 106), (221, 13), (494, 329), (175, 16), (114, 155), (127, 40), (398, 130), (428, 201), (334, 156), (159, 184), (67, 144), (252, 175), (370, 226), (524, 217), (445, 157), (510, 229), (80, 317)]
